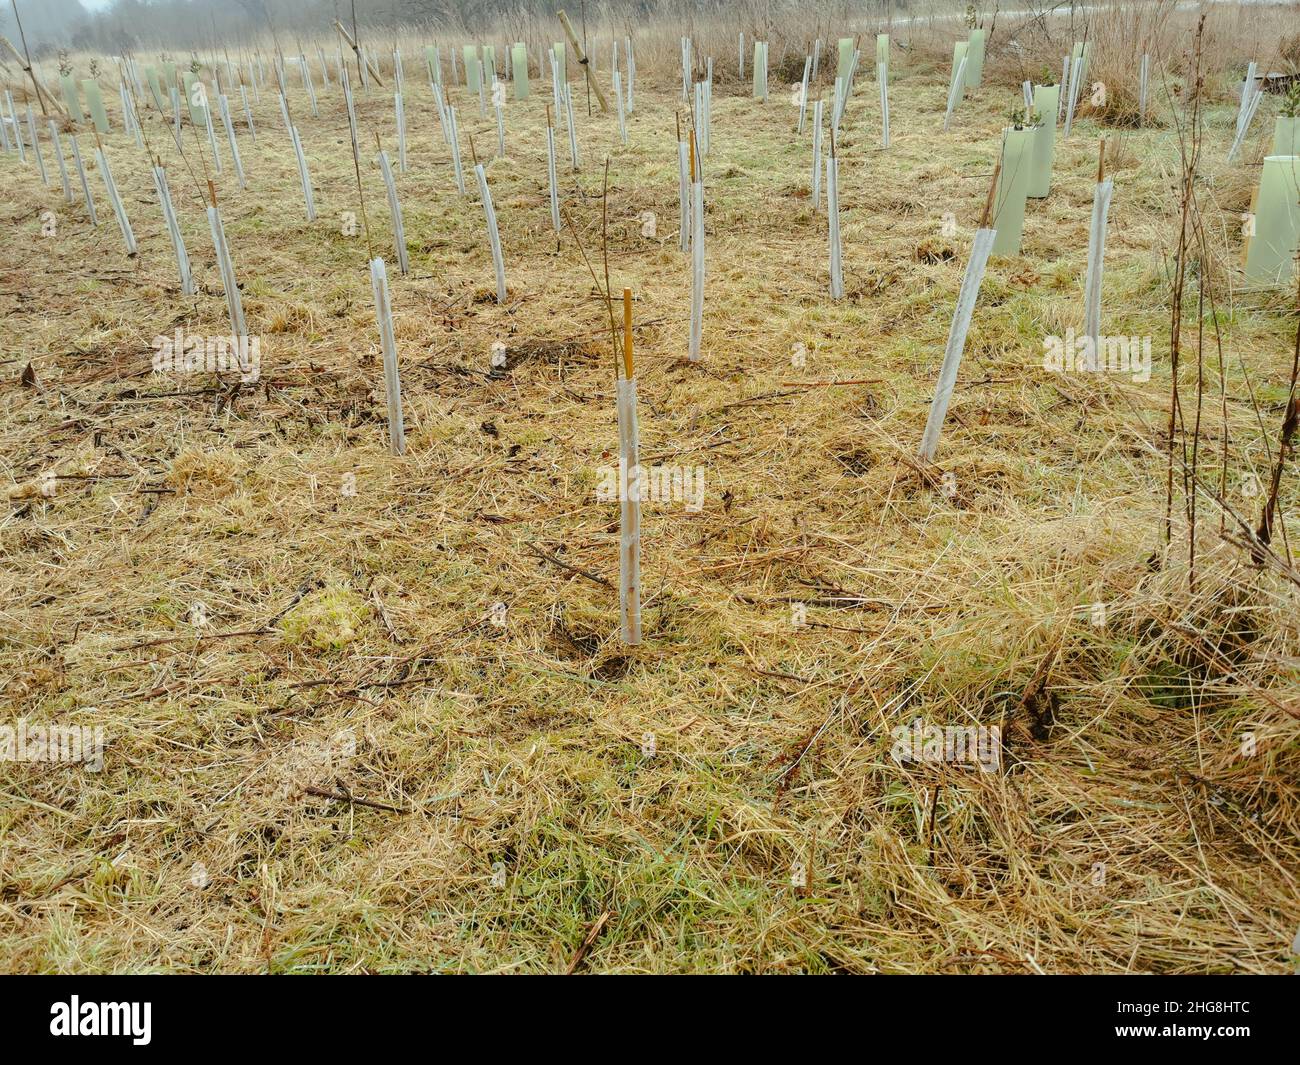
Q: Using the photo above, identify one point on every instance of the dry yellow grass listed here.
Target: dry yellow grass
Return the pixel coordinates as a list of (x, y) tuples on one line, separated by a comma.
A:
[(351, 646)]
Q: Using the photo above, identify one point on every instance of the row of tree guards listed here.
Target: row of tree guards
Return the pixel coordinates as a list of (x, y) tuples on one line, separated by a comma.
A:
[(1023, 171)]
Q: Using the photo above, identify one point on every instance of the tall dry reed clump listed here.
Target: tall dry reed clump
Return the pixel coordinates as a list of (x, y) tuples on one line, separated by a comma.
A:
[(1032, 47)]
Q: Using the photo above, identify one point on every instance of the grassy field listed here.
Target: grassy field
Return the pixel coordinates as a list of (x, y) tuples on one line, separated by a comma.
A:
[(723, 797)]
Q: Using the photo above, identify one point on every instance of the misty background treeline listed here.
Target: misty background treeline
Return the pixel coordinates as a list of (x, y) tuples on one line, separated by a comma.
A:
[(137, 25)]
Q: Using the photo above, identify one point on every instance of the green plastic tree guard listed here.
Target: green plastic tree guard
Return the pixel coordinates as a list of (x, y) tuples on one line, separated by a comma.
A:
[(846, 59), (71, 98), (975, 64), (519, 67), (95, 104), (1270, 257), (1013, 184), (760, 70), (472, 67), (959, 52), (1286, 135), (155, 87), (1046, 100), (194, 98)]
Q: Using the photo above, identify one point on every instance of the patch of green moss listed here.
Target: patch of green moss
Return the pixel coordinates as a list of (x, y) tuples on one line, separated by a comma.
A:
[(326, 620)]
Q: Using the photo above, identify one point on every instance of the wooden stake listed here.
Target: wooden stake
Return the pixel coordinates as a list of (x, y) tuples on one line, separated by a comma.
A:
[(369, 66), (988, 202), (42, 90), (582, 58)]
